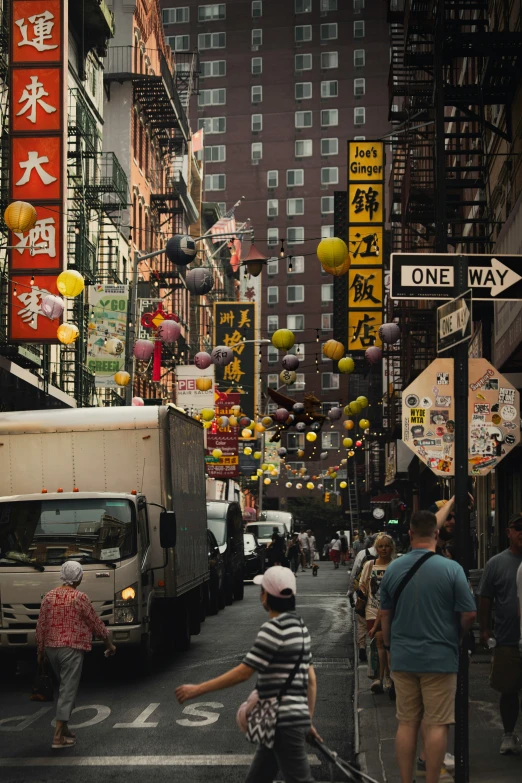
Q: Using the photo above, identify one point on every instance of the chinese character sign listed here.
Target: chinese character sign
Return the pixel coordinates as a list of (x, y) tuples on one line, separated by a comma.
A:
[(108, 320), (235, 327)]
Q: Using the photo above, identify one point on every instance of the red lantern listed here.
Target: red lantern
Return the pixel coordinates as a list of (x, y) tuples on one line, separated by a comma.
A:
[(358, 443)]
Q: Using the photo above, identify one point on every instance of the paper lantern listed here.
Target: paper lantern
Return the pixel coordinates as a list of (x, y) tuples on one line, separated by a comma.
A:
[(302, 471), (300, 452), (347, 443), (287, 377), (389, 333), (168, 331), (334, 414), (283, 339), (114, 346), (311, 437), (343, 484), (223, 421), (267, 421), (351, 453), (217, 453), (222, 355), (348, 424), (259, 427), (257, 455), (338, 271), (181, 249), (199, 281), (122, 378), (232, 420), (143, 350), (246, 433), (367, 431), (333, 349), (373, 354), (333, 474), (244, 421), (202, 360), (346, 365), (309, 485), (332, 252), (70, 283), (138, 402), (358, 443), (203, 384), (52, 306), (299, 486), (288, 484), (267, 481), (67, 333), (300, 426), (254, 478), (364, 424), (207, 414), (298, 407), (236, 410), (290, 362), (20, 216), (282, 451), (355, 407), (259, 472), (363, 400), (247, 450), (323, 455), (320, 486)]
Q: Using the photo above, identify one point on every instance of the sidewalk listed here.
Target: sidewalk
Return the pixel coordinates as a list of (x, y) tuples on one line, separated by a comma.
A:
[(376, 726)]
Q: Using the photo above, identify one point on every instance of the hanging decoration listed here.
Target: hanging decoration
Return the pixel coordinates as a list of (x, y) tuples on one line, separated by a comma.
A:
[(338, 271), (281, 452), (257, 455), (217, 453), (290, 362), (153, 322), (202, 360), (310, 485), (332, 252), (67, 333), (358, 443), (223, 421), (346, 365), (207, 414), (244, 421), (181, 249), (222, 355), (52, 306), (20, 216), (364, 424), (363, 401), (390, 333), (247, 450), (199, 281), (259, 427), (355, 407), (334, 414), (287, 377), (323, 455), (333, 349), (311, 437), (298, 408), (203, 384), (373, 354), (254, 262), (114, 346), (283, 339), (300, 426), (300, 453), (70, 283), (122, 378), (143, 350), (236, 410), (266, 421), (348, 424), (168, 331), (343, 484), (246, 433), (232, 420), (138, 402), (347, 443)]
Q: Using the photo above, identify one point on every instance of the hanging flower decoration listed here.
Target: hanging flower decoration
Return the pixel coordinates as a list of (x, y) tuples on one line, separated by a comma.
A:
[(52, 306)]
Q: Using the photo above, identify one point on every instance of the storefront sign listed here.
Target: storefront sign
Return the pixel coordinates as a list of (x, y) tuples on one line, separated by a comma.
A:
[(235, 327), (109, 305), (225, 439), (188, 396)]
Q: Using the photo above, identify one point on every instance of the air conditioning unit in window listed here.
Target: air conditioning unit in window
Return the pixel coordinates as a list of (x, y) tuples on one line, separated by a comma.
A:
[(254, 48), (255, 163)]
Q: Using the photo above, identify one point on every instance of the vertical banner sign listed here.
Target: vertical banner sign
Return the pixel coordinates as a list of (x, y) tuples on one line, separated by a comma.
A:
[(108, 320), (225, 439), (37, 168), (365, 243), (235, 326)]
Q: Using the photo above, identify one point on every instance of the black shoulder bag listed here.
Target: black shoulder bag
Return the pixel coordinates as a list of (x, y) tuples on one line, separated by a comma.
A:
[(409, 576)]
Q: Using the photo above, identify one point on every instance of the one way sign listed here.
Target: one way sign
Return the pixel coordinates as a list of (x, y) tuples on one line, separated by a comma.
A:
[(454, 322), (494, 278)]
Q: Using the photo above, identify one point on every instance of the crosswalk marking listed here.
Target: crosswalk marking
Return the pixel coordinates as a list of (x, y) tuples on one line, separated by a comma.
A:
[(223, 760)]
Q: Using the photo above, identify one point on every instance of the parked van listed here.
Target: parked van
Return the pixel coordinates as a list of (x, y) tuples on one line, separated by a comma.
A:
[(225, 520)]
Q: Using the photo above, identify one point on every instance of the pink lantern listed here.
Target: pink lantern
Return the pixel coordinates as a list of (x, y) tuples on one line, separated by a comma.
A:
[(202, 360), (373, 354), (52, 306), (168, 331), (143, 350), (281, 414), (138, 402)]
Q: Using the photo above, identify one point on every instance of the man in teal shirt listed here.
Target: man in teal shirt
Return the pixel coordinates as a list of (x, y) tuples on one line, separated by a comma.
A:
[(424, 626)]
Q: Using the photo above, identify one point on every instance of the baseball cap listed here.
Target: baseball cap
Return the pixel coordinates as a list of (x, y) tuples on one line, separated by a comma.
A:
[(278, 581), (515, 519)]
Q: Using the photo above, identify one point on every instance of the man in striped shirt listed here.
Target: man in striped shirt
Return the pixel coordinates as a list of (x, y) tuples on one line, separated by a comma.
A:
[(282, 642)]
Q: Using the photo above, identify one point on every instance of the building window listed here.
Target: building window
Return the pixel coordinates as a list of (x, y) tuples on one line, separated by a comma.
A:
[(330, 175), (298, 349), (272, 355), (327, 205), (295, 236), (329, 380), (329, 118), (257, 66), (257, 150), (272, 236), (303, 62), (272, 323), (213, 68), (178, 43), (257, 37), (176, 15), (298, 265), (211, 13), (358, 29), (303, 90), (272, 266), (327, 232), (272, 179), (272, 207), (329, 32), (326, 322), (359, 58), (359, 87), (212, 97), (358, 6), (303, 119), (303, 32), (257, 93), (300, 382), (213, 124), (328, 5), (303, 148), (295, 322), (295, 293), (257, 9), (330, 89), (294, 206), (215, 182), (295, 441), (359, 138), (212, 40), (329, 60), (359, 115), (303, 6), (257, 123), (273, 381), (216, 154), (272, 294), (294, 178), (327, 292), (330, 440), (329, 146)]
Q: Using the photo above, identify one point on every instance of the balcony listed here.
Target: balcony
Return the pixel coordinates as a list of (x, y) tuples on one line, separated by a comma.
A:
[(81, 125), (173, 197)]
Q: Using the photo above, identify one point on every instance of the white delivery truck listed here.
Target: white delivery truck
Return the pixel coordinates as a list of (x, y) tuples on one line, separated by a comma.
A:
[(121, 490)]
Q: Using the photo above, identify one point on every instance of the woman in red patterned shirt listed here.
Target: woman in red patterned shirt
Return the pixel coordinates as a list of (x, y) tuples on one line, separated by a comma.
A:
[(65, 628)]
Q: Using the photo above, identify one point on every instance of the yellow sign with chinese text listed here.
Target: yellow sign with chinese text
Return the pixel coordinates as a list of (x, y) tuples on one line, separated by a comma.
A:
[(365, 203), (365, 244), (363, 329), (365, 288), (366, 161)]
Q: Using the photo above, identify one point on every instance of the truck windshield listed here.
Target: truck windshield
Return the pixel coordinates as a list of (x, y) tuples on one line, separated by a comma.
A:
[(267, 530), (52, 531), (219, 528)]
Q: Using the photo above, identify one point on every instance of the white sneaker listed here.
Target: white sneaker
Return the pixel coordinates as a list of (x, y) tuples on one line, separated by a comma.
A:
[(376, 687), (510, 745), (449, 761)]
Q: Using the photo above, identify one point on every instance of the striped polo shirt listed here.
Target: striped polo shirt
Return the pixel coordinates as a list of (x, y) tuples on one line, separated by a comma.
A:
[(274, 655)]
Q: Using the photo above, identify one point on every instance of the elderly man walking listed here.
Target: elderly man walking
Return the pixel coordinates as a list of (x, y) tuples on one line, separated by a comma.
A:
[(426, 604)]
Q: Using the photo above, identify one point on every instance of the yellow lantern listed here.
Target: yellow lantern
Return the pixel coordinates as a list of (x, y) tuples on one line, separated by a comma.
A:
[(348, 424), (267, 481), (333, 349), (257, 455), (343, 484), (247, 450), (355, 407), (273, 472), (302, 471), (20, 216), (300, 452), (338, 271), (68, 333), (254, 478), (347, 443), (207, 425), (264, 466), (217, 453), (122, 378), (283, 339), (364, 424), (346, 365), (260, 427), (332, 252), (309, 485), (232, 421), (203, 384), (311, 436), (363, 400), (259, 472), (287, 377), (351, 453), (207, 414), (333, 474), (70, 283), (271, 466), (246, 433), (236, 410), (266, 420)]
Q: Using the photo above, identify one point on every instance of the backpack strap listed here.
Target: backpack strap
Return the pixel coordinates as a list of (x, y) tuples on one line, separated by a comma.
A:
[(409, 576), (294, 671)]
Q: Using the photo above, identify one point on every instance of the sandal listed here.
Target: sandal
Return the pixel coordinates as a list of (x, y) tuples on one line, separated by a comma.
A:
[(69, 733), (63, 742)]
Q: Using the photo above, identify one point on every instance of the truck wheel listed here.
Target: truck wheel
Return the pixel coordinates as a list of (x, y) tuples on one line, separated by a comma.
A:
[(239, 587), (229, 591), (182, 626), (213, 599)]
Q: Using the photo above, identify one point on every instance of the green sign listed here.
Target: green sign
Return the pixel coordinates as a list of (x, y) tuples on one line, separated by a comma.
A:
[(107, 332), (392, 522)]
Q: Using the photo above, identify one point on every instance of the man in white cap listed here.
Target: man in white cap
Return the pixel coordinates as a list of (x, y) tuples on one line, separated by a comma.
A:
[(282, 644)]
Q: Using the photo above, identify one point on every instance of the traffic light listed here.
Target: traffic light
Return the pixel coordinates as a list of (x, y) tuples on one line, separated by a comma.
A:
[(326, 497)]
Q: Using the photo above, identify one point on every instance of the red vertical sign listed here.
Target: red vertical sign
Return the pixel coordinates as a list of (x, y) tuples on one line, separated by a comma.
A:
[(38, 57)]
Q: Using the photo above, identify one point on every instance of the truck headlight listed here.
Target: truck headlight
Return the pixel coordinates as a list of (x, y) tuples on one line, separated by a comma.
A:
[(126, 605)]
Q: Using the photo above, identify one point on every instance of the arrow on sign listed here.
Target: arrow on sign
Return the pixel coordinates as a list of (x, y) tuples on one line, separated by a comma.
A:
[(455, 322), (498, 277)]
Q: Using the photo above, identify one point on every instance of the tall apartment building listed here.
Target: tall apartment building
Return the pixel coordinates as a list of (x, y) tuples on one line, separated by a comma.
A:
[(284, 86)]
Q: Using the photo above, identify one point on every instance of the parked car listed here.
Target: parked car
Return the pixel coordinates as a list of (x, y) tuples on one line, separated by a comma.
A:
[(254, 555), (265, 530), (216, 571), (225, 520)]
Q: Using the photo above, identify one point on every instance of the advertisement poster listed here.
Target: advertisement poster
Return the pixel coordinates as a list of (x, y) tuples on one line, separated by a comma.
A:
[(188, 395), (109, 304), (226, 466)]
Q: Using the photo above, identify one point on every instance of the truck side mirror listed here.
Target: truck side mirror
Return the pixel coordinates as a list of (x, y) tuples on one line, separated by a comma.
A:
[(168, 529)]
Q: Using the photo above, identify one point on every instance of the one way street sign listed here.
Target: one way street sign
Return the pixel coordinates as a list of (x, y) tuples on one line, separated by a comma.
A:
[(454, 322), (492, 278)]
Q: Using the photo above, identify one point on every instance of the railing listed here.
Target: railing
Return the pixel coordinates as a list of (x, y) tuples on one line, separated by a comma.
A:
[(112, 177), (81, 121)]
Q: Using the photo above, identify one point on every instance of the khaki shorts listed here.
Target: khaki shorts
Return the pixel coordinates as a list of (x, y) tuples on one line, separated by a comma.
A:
[(427, 697), (505, 675)]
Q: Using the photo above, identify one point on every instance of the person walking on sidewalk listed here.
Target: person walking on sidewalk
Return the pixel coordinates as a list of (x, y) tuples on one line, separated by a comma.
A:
[(369, 553), (335, 550), (305, 549), (426, 605), (358, 544), (66, 625), (294, 552), (498, 587), (281, 644), (313, 545)]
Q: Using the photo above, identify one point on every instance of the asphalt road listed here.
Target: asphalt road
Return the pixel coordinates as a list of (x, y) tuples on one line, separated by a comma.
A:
[(130, 724)]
